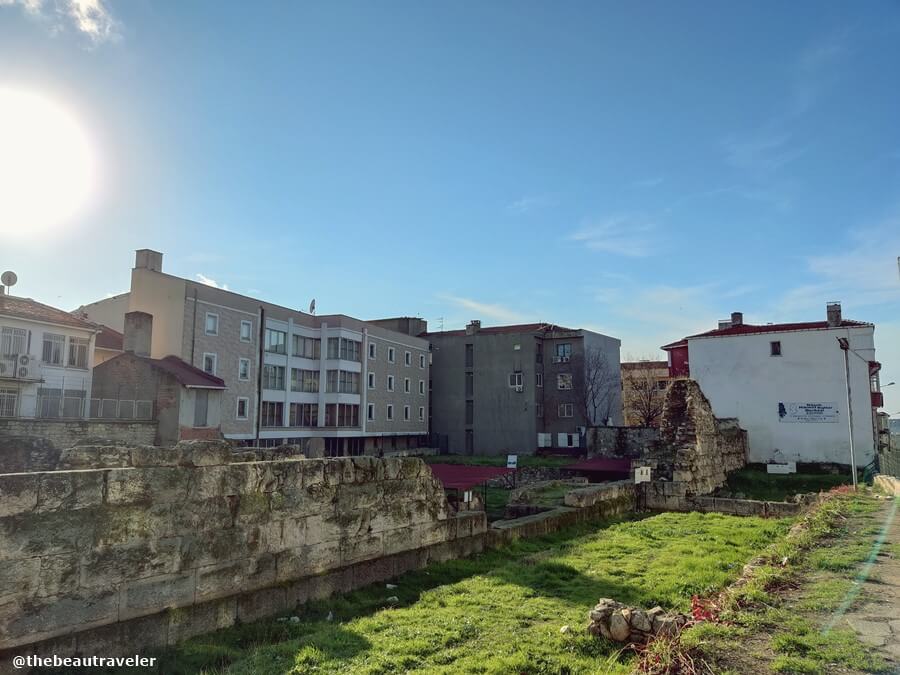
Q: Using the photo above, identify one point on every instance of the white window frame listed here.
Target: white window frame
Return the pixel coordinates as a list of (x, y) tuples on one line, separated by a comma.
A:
[(390, 412), (422, 361), (215, 358), (240, 363), (421, 413), (370, 412), (392, 355), (406, 413), (516, 379), (422, 387), (390, 383), (373, 350), (564, 408), (237, 408), (559, 382), (538, 379), (206, 324), (370, 380), (407, 359), (407, 385), (245, 322)]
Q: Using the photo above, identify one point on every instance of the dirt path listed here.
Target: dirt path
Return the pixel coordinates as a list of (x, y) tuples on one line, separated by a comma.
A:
[(877, 621)]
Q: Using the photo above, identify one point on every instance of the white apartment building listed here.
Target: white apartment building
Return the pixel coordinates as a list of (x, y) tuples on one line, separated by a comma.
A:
[(46, 357), (786, 384), (333, 382)]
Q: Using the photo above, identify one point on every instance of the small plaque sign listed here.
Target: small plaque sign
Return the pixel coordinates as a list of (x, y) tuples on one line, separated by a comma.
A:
[(642, 474), (512, 461)]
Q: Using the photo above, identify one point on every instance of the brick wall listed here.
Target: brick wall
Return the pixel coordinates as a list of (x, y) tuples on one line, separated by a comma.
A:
[(176, 543)]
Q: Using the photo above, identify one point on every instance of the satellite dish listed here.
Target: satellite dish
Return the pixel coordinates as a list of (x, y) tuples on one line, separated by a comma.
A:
[(312, 306), (8, 279)]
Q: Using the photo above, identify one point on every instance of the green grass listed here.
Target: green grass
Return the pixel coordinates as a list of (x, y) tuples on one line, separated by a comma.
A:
[(499, 612), (497, 499), (525, 461), (754, 483)]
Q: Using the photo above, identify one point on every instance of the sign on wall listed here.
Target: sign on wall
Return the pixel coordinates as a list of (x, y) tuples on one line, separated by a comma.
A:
[(808, 412), (512, 461)]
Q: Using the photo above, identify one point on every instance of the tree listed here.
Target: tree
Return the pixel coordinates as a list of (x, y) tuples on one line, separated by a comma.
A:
[(644, 395), (598, 387)]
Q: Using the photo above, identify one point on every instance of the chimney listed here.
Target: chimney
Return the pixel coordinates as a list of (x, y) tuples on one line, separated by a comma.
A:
[(148, 260), (473, 327), (737, 318), (724, 323), (833, 314), (138, 333)]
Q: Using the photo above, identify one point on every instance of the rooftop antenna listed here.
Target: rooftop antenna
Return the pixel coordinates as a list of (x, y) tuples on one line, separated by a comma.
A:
[(7, 280), (312, 306)]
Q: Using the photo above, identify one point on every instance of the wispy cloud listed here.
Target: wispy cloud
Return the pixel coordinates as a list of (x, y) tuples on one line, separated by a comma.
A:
[(763, 151), (648, 182), (88, 17), (485, 309), (203, 279), (628, 236), (816, 70), (530, 203)]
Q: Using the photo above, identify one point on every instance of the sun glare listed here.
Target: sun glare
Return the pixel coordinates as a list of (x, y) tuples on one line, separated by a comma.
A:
[(47, 166)]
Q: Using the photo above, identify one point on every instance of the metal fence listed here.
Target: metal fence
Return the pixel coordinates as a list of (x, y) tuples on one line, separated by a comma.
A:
[(70, 405)]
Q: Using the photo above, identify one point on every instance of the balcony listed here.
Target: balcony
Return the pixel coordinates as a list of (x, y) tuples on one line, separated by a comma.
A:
[(877, 399)]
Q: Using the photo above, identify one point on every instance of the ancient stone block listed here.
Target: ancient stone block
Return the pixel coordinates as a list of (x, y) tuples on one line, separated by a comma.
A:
[(52, 615), (338, 471), (156, 593), (200, 619), (111, 565), (18, 493), (69, 490), (261, 604), (27, 535), (19, 579), (358, 496), (155, 484), (364, 547)]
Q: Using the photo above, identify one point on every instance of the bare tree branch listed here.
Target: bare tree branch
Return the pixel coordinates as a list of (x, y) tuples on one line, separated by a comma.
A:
[(596, 386)]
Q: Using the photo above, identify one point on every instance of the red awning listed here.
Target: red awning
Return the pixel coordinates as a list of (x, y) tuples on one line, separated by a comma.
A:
[(463, 477)]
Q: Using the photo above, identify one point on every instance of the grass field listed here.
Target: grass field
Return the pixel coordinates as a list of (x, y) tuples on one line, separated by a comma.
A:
[(525, 461), (500, 612), (755, 483)]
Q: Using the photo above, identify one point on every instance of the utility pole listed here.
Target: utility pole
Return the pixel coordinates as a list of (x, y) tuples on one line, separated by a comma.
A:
[(845, 347)]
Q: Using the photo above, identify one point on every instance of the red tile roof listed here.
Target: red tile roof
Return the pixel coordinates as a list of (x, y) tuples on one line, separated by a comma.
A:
[(30, 310), (750, 329), (495, 330), (108, 338)]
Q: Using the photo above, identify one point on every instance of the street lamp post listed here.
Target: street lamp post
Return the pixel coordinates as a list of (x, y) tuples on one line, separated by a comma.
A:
[(845, 347)]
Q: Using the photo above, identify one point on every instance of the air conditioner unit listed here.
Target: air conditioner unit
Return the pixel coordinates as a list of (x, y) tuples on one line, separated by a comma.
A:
[(564, 359), (520, 388), (26, 367), (557, 359)]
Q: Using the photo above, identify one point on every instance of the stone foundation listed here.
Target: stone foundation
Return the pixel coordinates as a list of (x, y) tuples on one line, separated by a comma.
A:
[(620, 623)]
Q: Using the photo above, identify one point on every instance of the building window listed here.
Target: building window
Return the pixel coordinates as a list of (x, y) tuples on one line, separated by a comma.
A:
[(307, 348), (12, 341), (390, 412), (422, 387), (370, 412), (391, 354), (9, 399), (564, 350), (201, 407), (54, 349), (304, 380), (276, 341), (539, 409), (539, 352), (406, 413), (212, 324), (273, 377), (407, 359), (209, 363), (304, 415), (775, 348), (243, 408), (538, 379), (78, 352), (373, 351), (421, 413), (470, 355), (564, 381), (243, 369), (349, 382), (370, 380), (566, 410), (470, 412), (343, 348), (470, 441), (515, 379), (470, 384), (272, 414), (246, 331), (421, 361), (390, 383), (406, 386)]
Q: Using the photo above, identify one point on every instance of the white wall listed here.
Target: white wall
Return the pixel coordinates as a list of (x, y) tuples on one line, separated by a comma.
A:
[(741, 379)]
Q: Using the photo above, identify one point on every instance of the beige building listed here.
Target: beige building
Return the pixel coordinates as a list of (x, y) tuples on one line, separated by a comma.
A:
[(332, 382), (644, 385)]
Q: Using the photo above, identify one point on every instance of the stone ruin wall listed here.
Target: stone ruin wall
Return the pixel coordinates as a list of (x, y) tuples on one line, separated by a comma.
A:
[(695, 452), (170, 543)]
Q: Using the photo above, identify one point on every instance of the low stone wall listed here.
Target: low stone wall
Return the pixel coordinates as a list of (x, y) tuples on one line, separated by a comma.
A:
[(149, 555), (745, 507), (600, 493), (630, 442)]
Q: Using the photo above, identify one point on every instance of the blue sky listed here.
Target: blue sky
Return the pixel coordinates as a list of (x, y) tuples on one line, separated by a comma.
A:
[(641, 169)]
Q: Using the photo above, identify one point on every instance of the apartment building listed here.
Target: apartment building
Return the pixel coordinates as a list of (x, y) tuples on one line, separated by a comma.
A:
[(644, 387), (46, 357), (513, 389), (330, 383), (787, 384)]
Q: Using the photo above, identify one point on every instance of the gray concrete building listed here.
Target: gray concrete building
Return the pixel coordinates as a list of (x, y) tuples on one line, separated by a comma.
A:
[(514, 389), (330, 383)]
